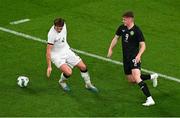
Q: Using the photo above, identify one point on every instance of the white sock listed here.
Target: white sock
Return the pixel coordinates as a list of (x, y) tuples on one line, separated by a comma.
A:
[(63, 84), (86, 77), (62, 78), (154, 75), (149, 98), (151, 76)]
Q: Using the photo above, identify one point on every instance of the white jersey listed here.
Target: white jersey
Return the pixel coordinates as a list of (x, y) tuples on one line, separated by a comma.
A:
[(58, 40), (61, 52)]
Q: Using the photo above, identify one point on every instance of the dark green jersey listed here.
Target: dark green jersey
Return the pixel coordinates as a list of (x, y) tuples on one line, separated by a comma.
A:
[(130, 40)]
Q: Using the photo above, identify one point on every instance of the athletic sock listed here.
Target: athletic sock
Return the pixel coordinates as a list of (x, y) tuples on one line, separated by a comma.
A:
[(64, 77), (145, 77), (86, 77), (144, 88)]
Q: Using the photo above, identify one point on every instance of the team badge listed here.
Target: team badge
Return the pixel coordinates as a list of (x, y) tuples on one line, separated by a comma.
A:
[(63, 39), (132, 33)]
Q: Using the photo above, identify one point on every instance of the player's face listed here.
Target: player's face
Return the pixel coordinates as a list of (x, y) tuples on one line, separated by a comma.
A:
[(58, 29), (127, 21)]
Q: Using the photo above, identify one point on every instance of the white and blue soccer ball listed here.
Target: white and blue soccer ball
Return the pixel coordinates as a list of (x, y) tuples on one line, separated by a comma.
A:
[(22, 81)]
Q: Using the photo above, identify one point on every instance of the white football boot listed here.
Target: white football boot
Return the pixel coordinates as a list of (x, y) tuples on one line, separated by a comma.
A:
[(149, 102), (154, 79), (91, 87)]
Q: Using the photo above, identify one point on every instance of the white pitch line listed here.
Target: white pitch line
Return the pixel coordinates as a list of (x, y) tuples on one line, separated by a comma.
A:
[(19, 21), (85, 53)]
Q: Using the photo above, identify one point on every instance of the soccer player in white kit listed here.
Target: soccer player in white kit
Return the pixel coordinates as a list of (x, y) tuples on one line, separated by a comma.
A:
[(59, 52)]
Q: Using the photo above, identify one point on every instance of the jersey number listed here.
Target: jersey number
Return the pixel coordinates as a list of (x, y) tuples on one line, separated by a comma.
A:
[(134, 62), (126, 37)]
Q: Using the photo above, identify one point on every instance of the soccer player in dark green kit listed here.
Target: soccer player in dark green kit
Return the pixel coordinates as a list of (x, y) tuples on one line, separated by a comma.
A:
[(133, 46)]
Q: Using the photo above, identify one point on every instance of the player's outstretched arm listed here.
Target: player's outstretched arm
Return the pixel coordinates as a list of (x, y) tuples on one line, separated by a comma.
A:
[(113, 44), (48, 59)]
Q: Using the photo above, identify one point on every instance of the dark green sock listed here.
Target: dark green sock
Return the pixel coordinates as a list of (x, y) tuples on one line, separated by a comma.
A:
[(145, 77), (144, 88)]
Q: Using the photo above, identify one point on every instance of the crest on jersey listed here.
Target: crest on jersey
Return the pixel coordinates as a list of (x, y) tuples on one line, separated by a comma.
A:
[(132, 33), (56, 40), (63, 39)]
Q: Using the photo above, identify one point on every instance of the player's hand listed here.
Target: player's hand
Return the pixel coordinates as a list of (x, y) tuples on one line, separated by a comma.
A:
[(49, 69), (138, 58), (109, 53)]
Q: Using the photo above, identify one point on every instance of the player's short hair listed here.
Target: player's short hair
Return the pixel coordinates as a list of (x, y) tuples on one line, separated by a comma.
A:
[(128, 14), (59, 22)]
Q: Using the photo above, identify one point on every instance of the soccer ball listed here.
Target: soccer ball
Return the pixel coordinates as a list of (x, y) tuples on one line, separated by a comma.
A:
[(22, 81)]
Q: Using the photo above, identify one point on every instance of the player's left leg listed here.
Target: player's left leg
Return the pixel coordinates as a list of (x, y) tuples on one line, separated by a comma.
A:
[(134, 64), (136, 75), (85, 75), (152, 77)]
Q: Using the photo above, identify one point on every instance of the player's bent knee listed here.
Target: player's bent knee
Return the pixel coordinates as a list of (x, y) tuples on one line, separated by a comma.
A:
[(83, 68), (68, 72), (135, 74), (137, 78), (131, 79)]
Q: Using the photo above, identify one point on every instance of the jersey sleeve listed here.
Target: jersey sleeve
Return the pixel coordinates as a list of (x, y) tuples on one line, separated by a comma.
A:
[(50, 39), (119, 31), (140, 36)]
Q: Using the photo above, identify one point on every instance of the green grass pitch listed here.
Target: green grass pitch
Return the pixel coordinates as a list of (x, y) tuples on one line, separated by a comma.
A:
[(91, 25)]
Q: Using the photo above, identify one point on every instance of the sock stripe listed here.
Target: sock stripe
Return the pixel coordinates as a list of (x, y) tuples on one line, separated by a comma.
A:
[(84, 71), (144, 88), (66, 76)]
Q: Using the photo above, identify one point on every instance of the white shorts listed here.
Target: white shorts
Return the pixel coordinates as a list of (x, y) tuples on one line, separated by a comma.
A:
[(68, 57)]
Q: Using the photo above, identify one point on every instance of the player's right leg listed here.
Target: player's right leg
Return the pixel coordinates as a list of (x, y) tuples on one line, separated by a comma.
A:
[(60, 62), (136, 75), (66, 73)]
